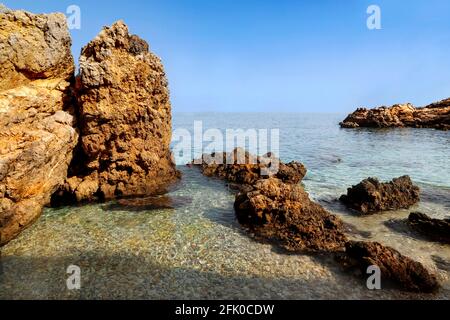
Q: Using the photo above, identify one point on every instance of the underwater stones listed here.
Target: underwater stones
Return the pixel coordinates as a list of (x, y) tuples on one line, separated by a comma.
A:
[(436, 229), (371, 196), (435, 115), (283, 212), (239, 166), (37, 133), (125, 120), (409, 274)]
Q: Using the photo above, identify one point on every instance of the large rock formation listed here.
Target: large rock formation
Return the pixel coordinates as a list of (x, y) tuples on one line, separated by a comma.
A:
[(436, 229), (239, 166), (409, 274), (284, 213), (371, 196), (37, 135), (125, 120), (436, 115)]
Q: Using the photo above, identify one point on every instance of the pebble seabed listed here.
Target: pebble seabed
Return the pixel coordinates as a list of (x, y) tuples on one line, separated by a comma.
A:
[(195, 250)]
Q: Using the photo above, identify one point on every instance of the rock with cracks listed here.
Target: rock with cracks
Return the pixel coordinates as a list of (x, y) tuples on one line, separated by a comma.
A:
[(284, 213), (37, 133), (125, 120)]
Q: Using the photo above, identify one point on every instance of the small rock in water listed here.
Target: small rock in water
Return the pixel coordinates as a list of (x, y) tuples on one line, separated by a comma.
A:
[(410, 274), (283, 212), (371, 196), (437, 229)]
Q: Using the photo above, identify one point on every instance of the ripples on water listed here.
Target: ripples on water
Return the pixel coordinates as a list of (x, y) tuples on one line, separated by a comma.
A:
[(187, 244)]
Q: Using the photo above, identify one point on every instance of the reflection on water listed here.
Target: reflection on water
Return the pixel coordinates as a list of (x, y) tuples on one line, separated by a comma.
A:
[(187, 243)]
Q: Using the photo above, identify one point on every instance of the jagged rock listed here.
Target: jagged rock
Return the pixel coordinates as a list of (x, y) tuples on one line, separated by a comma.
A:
[(409, 274), (125, 120), (239, 166), (436, 115), (437, 229), (37, 135), (371, 196), (283, 212)]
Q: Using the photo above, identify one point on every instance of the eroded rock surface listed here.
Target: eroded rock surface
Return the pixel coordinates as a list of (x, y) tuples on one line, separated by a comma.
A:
[(284, 213), (37, 134), (409, 274), (239, 166), (436, 229), (125, 120), (436, 115), (371, 196)]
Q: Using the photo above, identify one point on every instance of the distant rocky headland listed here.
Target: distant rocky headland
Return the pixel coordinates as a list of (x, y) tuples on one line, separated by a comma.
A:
[(101, 134), (435, 115)]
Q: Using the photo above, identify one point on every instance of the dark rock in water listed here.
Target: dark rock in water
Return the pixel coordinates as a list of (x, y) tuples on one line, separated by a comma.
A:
[(239, 166), (283, 212), (436, 115), (148, 203), (371, 195), (409, 274), (441, 263), (436, 229)]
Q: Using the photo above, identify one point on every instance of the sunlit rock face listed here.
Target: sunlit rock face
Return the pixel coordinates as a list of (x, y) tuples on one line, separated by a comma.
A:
[(37, 128), (125, 120)]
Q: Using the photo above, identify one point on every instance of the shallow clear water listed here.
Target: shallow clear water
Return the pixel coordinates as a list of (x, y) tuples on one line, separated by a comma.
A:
[(196, 249)]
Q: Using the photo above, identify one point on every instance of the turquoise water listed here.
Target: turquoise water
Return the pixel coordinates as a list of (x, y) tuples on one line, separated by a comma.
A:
[(189, 245)]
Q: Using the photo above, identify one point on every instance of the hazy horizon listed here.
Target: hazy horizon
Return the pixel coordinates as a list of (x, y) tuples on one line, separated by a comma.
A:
[(289, 56)]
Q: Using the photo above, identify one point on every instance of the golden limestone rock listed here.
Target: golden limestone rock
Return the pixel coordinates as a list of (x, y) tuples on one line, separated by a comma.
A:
[(37, 133), (125, 120)]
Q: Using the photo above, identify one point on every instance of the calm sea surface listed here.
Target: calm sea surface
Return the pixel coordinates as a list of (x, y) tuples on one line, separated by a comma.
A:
[(190, 246)]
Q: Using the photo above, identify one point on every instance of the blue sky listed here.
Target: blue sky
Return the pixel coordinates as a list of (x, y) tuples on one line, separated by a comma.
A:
[(293, 56)]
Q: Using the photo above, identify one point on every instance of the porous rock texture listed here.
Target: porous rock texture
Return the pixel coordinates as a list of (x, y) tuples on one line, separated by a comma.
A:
[(409, 274), (125, 120), (436, 229), (435, 115), (284, 213), (37, 134), (240, 166), (371, 196)]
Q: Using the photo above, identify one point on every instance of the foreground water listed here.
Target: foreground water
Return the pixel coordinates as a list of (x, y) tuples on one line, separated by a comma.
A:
[(188, 244)]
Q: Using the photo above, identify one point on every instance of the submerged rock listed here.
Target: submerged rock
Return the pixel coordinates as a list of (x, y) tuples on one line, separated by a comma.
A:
[(125, 120), (371, 196), (436, 229), (239, 166), (283, 212), (409, 274), (37, 133), (436, 115)]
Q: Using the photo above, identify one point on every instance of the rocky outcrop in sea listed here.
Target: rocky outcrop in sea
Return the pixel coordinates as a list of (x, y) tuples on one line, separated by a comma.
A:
[(103, 135), (281, 212), (371, 196), (435, 115)]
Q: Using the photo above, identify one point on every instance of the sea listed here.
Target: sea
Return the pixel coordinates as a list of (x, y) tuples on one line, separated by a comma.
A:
[(188, 244)]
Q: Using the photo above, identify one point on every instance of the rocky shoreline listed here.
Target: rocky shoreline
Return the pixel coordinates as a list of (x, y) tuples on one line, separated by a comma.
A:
[(282, 212), (105, 133), (435, 115)]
